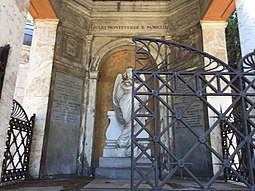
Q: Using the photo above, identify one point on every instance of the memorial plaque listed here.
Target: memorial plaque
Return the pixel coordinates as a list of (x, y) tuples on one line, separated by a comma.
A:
[(193, 114), (64, 125)]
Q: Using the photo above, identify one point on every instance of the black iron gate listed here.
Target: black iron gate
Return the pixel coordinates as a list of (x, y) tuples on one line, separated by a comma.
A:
[(18, 144), (193, 119)]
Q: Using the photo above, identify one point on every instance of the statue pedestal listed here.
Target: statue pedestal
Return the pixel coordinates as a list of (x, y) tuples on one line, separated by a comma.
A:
[(113, 132), (120, 168), (114, 168)]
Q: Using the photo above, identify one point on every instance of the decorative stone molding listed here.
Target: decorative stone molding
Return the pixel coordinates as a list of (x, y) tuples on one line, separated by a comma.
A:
[(87, 51), (111, 47), (72, 47), (213, 24), (214, 41), (93, 74), (25, 54), (108, 48)]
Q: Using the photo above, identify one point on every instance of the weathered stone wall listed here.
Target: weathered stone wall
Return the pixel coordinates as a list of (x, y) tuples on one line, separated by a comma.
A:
[(70, 58), (12, 22), (204, 5), (184, 26)]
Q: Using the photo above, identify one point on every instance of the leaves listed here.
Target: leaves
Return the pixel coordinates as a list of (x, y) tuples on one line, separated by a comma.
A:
[(233, 41)]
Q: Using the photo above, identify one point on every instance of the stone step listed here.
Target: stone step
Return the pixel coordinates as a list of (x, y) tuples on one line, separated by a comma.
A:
[(121, 162), (123, 173), (117, 185)]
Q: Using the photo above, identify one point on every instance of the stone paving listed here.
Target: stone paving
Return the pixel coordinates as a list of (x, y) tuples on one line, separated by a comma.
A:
[(173, 185), (56, 184), (91, 184)]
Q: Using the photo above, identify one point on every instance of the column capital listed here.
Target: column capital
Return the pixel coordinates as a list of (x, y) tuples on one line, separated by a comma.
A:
[(93, 74), (46, 22), (213, 24), (89, 37), (168, 37)]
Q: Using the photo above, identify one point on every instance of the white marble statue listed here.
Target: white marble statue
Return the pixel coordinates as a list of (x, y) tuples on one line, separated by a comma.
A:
[(122, 101)]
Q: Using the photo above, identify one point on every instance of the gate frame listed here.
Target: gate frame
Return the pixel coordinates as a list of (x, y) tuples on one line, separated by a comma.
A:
[(214, 67), (13, 168)]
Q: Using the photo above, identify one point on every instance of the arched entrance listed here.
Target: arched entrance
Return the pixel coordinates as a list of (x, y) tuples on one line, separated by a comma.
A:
[(114, 64), (111, 66)]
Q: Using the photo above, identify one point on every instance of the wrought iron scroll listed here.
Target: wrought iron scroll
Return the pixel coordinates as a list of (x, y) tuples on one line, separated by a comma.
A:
[(170, 71), (3, 61), (230, 141), (18, 144)]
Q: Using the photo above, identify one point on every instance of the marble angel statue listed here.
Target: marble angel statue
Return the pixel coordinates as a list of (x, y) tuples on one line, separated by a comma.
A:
[(122, 102)]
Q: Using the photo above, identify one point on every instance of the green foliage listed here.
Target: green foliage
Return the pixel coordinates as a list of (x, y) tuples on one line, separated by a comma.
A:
[(233, 41)]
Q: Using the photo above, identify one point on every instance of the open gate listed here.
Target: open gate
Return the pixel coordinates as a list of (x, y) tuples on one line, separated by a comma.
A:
[(198, 116), (18, 144)]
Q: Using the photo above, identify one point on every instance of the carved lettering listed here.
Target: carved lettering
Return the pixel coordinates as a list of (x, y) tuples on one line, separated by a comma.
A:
[(67, 99), (128, 27)]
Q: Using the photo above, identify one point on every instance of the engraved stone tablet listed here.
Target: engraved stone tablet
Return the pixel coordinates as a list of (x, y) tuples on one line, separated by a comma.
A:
[(64, 125), (191, 125)]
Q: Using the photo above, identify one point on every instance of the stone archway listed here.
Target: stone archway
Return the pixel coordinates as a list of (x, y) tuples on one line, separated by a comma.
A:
[(114, 64), (123, 51)]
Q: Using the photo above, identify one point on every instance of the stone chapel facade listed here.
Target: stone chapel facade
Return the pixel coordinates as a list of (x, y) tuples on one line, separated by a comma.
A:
[(78, 48)]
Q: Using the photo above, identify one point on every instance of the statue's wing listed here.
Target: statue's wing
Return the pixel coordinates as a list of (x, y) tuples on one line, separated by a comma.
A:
[(117, 81)]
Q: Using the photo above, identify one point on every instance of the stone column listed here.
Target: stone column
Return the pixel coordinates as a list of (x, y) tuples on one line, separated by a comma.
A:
[(90, 118), (12, 22), (37, 90), (214, 43), (82, 163), (246, 23)]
